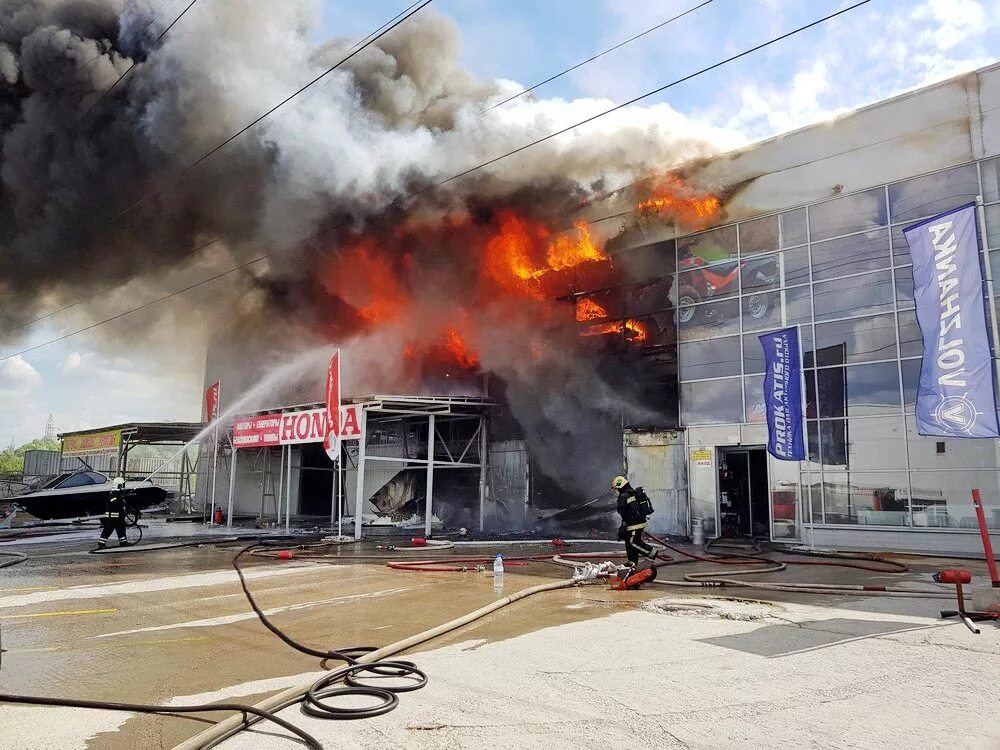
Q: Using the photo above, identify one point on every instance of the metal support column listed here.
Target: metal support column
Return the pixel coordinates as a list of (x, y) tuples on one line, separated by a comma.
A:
[(281, 486), (334, 485), (288, 491), (359, 498), (430, 476), (232, 488), (482, 473)]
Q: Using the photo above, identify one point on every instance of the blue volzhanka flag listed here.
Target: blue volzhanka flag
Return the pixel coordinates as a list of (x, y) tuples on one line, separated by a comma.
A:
[(783, 394), (955, 396)]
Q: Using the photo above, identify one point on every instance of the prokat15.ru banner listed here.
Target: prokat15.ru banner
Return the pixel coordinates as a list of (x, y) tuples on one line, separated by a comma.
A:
[(294, 427)]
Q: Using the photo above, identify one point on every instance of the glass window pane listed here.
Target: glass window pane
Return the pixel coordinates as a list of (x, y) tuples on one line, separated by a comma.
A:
[(958, 453), (754, 389), (850, 255), (911, 344), (943, 499), (710, 282), (787, 268), (759, 235), (855, 340), (862, 389), (648, 262), (863, 498), (793, 227), (714, 358), (753, 355), (900, 248), (708, 320), (708, 247), (993, 227), (911, 376), (931, 194), (990, 171), (812, 493), (712, 402), (853, 296), (776, 309), (850, 213), (904, 286), (784, 487)]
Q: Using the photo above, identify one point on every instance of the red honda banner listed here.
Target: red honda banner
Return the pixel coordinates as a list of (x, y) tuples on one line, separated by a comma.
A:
[(294, 427), (212, 402), (331, 441)]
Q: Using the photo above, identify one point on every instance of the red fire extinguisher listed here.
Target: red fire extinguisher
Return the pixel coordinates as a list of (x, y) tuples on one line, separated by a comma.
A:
[(217, 516)]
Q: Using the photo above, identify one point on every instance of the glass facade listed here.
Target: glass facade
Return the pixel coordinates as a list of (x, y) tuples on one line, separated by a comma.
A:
[(841, 271)]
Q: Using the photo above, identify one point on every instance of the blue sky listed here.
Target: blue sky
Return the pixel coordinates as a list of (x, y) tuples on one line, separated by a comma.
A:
[(878, 50)]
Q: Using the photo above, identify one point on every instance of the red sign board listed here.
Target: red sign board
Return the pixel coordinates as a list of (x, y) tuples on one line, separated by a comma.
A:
[(294, 427)]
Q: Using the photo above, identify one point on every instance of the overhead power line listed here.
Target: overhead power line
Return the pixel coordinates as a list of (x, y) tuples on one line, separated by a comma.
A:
[(639, 98), (94, 296), (589, 60), (156, 301), (400, 19), (467, 171), (131, 67), (364, 42)]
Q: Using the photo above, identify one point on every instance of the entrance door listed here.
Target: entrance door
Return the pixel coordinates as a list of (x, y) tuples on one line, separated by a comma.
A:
[(743, 508)]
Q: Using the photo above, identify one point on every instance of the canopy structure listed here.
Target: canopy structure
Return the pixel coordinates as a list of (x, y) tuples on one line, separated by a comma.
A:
[(399, 434), (116, 441)]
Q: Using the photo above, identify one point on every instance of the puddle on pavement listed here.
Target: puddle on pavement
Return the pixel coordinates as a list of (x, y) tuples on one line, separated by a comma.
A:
[(715, 608)]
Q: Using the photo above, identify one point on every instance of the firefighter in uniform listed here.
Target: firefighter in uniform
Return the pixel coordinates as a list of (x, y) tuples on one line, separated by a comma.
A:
[(634, 508), (114, 515)]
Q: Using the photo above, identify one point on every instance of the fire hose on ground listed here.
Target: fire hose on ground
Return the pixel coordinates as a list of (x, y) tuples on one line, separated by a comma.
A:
[(16, 557), (373, 663), (364, 662)]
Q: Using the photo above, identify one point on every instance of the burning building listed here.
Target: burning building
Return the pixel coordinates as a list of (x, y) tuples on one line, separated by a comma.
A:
[(588, 304)]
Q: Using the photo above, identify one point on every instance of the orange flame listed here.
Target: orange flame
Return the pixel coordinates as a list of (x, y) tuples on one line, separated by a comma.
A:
[(587, 309), (361, 276), (513, 255), (688, 206), (456, 347), (633, 330), (565, 253)]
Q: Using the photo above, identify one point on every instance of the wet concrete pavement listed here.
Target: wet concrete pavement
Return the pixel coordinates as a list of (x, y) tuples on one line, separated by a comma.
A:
[(148, 627)]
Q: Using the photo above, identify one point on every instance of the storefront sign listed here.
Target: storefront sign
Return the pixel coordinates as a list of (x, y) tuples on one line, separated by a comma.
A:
[(294, 427), (783, 394), (702, 458), (955, 396), (93, 444)]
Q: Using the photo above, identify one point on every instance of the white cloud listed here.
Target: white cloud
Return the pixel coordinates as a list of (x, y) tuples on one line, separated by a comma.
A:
[(72, 361), (17, 376), (19, 383)]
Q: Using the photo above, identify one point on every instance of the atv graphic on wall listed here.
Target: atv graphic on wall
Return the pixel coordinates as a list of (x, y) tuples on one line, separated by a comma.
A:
[(701, 282)]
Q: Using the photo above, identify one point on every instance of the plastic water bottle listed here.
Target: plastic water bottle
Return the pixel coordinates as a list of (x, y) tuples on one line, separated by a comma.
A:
[(498, 566)]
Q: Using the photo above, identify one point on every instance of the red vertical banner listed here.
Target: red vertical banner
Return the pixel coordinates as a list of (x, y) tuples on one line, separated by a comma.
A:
[(212, 402), (332, 441)]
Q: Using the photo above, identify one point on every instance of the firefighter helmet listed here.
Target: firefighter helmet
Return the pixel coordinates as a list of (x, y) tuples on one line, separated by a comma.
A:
[(618, 482), (118, 482)]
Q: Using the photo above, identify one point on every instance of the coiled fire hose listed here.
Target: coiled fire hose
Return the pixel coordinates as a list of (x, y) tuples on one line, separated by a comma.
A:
[(233, 725)]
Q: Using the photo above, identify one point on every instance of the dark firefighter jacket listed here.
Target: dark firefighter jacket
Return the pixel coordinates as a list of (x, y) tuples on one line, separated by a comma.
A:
[(116, 505), (628, 508)]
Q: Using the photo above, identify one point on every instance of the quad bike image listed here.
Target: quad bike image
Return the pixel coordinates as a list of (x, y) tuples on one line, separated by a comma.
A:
[(701, 282)]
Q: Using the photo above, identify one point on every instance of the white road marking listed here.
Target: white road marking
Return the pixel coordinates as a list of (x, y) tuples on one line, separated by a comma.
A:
[(241, 616)]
